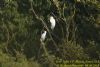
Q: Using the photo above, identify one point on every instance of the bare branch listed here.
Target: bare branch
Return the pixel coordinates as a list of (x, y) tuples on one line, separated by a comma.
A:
[(43, 22)]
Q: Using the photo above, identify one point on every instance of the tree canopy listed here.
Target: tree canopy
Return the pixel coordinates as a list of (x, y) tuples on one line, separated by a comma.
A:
[(76, 35)]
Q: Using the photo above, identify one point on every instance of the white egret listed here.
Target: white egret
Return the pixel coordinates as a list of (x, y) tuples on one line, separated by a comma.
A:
[(53, 22), (43, 36)]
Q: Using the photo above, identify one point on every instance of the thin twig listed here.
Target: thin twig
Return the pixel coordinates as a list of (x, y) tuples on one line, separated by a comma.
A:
[(46, 53)]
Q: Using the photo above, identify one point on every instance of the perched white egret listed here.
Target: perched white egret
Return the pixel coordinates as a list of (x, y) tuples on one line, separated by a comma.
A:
[(78, 0), (53, 22), (43, 36)]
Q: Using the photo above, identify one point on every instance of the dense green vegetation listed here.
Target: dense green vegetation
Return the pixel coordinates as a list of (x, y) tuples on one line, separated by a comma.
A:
[(75, 37)]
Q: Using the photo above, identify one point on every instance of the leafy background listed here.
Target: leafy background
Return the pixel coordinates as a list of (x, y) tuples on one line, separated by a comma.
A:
[(75, 37)]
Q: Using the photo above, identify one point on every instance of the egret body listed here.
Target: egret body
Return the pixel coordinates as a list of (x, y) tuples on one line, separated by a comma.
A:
[(43, 36), (53, 22)]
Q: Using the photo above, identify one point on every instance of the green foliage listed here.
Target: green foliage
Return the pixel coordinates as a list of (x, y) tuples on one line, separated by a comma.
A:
[(9, 61), (72, 51), (75, 37)]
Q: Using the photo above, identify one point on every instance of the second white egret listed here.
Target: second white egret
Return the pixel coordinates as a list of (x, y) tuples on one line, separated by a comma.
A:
[(53, 22), (43, 36)]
